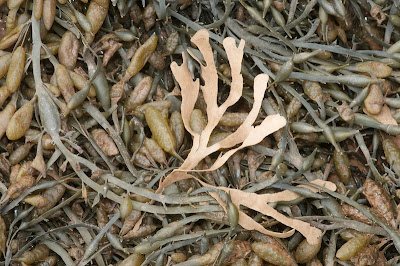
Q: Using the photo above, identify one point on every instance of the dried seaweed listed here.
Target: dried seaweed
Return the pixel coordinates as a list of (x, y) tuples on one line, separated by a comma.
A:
[(246, 134)]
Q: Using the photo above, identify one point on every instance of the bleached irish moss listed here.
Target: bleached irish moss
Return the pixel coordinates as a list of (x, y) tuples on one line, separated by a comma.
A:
[(246, 135)]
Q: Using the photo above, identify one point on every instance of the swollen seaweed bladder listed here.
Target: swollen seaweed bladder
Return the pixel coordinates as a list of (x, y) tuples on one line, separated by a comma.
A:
[(199, 132)]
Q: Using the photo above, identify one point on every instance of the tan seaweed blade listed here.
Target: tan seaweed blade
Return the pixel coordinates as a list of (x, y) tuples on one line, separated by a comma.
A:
[(246, 134), (259, 202)]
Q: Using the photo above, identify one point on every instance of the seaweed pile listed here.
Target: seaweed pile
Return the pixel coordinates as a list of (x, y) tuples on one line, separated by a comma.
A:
[(199, 132)]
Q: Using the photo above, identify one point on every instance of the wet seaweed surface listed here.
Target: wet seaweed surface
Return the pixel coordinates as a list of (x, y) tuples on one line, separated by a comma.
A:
[(194, 132)]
